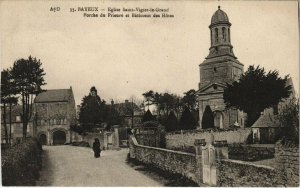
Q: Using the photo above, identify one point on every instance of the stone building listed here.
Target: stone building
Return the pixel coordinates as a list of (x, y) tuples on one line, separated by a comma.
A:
[(267, 127), (219, 67), (16, 124), (55, 112)]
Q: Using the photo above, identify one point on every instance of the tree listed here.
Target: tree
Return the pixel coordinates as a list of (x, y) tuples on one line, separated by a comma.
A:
[(91, 111), (28, 79), (149, 97), (190, 99), (255, 91), (5, 92), (171, 123), (113, 116), (187, 120), (148, 116), (288, 117)]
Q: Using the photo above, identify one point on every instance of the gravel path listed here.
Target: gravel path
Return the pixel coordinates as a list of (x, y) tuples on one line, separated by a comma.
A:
[(76, 166)]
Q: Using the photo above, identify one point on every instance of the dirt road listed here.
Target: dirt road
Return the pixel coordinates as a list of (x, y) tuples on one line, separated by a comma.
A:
[(76, 166)]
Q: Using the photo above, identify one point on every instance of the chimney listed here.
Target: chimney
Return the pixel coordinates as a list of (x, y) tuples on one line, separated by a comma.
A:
[(112, 102), (126, 101)]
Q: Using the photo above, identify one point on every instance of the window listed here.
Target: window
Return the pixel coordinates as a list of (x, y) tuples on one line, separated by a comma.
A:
[(215, 69), (215, 87), (18, 118), (216, 35), (229, 34), (275, 108), (211, 37), (223, 33)]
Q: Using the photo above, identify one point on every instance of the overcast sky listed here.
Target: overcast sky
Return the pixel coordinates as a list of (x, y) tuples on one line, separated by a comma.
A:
[(124, 57)]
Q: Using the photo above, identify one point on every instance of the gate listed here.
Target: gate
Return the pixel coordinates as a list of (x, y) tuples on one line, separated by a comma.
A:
[(209, 165)]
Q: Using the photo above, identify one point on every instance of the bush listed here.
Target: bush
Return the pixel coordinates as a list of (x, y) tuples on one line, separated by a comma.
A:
[(21, 164)]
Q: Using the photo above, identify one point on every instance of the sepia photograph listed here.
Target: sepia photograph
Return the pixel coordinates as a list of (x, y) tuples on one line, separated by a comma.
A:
[(104, 93)]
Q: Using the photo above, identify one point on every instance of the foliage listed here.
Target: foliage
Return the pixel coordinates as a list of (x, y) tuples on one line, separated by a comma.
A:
[(28, 78), (190, 99), (288, 117), (171, 123), (164, 102), (112, 116), (7, 97), (148, 116), (91, 111), (255, 91), (149, 96), (23, 170), (187, 120)]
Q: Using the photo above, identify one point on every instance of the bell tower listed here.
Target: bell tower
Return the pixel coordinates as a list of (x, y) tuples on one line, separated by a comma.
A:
[(220, 65), (219, 68)]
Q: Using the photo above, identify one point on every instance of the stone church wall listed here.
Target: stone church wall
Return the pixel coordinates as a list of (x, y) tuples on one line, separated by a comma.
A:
[(287, 162), (186, 139), (236, 173), (245, 174), (172, 161)]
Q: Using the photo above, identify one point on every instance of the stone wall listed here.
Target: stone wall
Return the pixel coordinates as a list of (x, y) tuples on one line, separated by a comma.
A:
[(172, 161), (287, 162), (250, 152), (240, 173), (186, 139)]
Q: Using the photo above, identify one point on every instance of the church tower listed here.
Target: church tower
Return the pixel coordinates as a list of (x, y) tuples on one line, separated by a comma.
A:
[(219, 67)]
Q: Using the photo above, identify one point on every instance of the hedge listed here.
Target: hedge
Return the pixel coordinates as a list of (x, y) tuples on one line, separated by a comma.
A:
[(21, 163)]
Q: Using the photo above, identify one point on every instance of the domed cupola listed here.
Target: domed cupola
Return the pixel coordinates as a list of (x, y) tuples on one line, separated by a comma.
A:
[(219, 17), (220, 35)]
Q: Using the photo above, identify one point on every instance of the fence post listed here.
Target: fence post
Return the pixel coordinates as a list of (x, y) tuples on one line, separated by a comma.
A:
[(221, 148), (199, 169)]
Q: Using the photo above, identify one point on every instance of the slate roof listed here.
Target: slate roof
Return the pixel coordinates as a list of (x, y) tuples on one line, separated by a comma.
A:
[(266, 121), (54, 95)]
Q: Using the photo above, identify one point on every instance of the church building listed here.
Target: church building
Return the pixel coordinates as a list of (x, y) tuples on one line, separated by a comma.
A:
[(219, 67), (55, 112)]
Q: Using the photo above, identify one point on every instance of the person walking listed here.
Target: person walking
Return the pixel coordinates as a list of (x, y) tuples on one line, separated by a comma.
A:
[(96, 148)]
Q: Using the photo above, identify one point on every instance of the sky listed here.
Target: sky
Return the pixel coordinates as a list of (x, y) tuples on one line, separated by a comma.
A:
[(125, 57)]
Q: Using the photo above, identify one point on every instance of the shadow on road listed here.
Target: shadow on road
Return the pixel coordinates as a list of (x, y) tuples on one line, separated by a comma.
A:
[(46, 177)]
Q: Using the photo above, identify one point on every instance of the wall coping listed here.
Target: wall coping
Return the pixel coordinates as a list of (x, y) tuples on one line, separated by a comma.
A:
[(165, 150), (248, 163), (208, 131)]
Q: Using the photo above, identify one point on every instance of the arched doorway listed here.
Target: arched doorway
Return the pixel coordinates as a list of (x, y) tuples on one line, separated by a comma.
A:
[(43, 139), (218, 119), (207, 118), (59, 137)]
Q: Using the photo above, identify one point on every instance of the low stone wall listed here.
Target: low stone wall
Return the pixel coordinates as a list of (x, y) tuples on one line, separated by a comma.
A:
[(186, 139), (172, 161), (90, 138), (244, 174), (287, 162), (250, 152)]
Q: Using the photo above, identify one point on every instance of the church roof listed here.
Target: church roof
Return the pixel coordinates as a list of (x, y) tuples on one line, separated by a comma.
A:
[(219, 17), (266, 121), (54, 95)]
